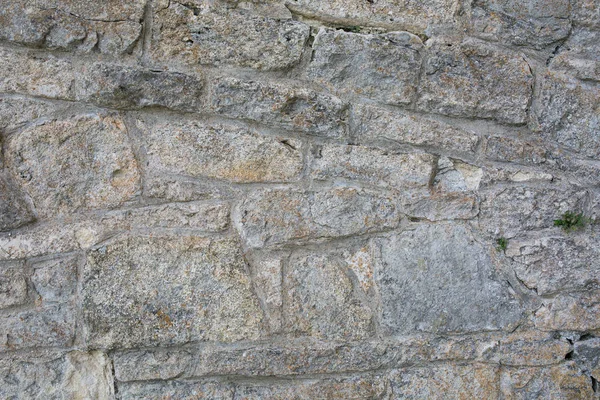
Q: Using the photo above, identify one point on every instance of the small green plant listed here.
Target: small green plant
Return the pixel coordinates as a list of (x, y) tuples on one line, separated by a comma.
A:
[(571, 221), (502, 243)]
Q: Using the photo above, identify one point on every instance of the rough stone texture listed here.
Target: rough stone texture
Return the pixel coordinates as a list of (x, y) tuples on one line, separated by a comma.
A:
[(474, 79), (381, 67), (299, 199)]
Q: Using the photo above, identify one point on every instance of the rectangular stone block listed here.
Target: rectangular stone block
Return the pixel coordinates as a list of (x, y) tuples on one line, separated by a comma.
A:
[(516, 150), (109, 26), (220, 151), (176, 390), (199, 33), (379, 124), (13, 286), (579, 56), (288, 106), (577, 311), (167, 290), (84, 162), (276, 217), (381, 67), (475, 80), (438, 279)]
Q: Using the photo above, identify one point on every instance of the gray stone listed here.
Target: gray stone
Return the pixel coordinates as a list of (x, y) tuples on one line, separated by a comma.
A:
[(523, 23), (478, 381), (402, 172), (288, 106), (42, 240), (381, 67), (74, 164), (176, 390), (328, 295), (424, 17), (220, 151), (438, 278), (199, 33), (55, 375), (55, 280), (586, 352), (111, 26), (580, 55), (515, 150), (586, 13), (124, 87), (373, 124), (267, 277), (178, 188), (274, 217), (15, 209), (567, 114), (13, 287), (148, 290), (473, 79), (16, 111), (577, 311)]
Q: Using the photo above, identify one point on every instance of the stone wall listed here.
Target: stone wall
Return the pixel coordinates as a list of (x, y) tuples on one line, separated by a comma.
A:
[(299, 199)]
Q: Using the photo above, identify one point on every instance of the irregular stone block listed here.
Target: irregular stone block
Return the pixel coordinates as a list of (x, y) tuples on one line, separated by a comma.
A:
[(267, 276), (551, 264), (15, 210), (13, 287), (415, 16), (509, 212), (569, 312), (274, 217), (515, 150), (55, 280), (523, 23), (199, 33), (563, 381), (35, 242), (454, 176), (475, 80), (374, 124), (323, 295), (580, 55), (586, 352), (111, 26), (289, 106), (437, 278), (16, 111), (176, 390), (586, 13), (154, 364), (526, 349), (118, 86), (220, 151), (54, 375), (74, 164), (161, 290), (381, 67), (177, 188), (402, 172), (477, 381), (567, 114)]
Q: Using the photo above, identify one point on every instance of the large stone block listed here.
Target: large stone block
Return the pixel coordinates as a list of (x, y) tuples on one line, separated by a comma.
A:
[(276, 217), (74, 164), (111, 26), (424, 17), (289, 106), (15, 209), (567, 113), (220, 151), (522, 23), (150, 290), (330, 295), (199, 33), (381, 67), (438, 278), (579, 56), (578, 311), (473, 79)]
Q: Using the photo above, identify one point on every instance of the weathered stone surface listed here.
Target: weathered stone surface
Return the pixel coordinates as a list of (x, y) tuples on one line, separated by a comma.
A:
[(111, 26), (15, 210), (381, 67), (220, 151), (274, 217), (143, 290), (562, 262), (54, 375), (586, 353), (567, 113), (118, 86), (176, 390), (438, 278), (510, 211), (580, 55), (55, 280), (374, 123), (527, 349), (328, 295), (523, 23), (586, 13), (178, 188), (35, 242), (289, 106), (559, 382), (577, 311), (199, 33), (516, 150), (13, 286), (477, 381), (392, 170), (414, 16), (267, 277), (475, 80), (16, 111), (454, 175), (75, 164)]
